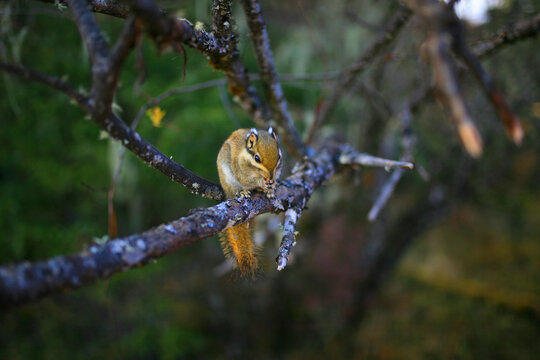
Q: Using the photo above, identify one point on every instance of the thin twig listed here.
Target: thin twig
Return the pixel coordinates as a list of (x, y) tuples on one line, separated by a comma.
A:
[(105, 69), (407, 141), (227, 106), (115, 8), (352, 157), (54, 82), (116, 176), (510, 34), (348, 78), (384, 195), (361, 21), (222, 81)]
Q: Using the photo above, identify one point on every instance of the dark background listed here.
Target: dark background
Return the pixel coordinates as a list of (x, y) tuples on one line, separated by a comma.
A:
[(450, 270)]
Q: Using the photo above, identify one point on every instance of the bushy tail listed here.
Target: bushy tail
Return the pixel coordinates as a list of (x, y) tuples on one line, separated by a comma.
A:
[(236, 243)]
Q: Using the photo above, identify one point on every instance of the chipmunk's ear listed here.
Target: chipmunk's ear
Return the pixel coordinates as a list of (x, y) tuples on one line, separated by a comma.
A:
[(272, 132), (252, 138)]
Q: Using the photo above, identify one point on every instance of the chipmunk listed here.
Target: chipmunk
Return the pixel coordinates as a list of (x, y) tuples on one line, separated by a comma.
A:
[(250, 159)]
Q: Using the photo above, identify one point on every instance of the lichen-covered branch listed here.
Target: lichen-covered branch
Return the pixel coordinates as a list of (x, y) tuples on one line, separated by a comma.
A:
[(269, 78), (27, 281), (289, 237), (348, 77), (228, 61), (222, 21)]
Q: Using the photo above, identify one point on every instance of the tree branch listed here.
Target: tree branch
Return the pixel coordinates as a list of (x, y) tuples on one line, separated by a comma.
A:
[(26, 281), (220, 49), (521, 30), (267, 70), (105, 70), (228, 61), (115, 8), (54, 82), (156, 159), (487, 47), (103, 79), (352, 157), (223, 55), (124, 45), (449, 90), (447, 30), (164, 28), (407, 141), (91, 34), (289, 237), (130, 139)]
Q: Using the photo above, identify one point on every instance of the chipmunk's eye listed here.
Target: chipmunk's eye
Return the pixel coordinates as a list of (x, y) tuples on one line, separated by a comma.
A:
[(257, 159)]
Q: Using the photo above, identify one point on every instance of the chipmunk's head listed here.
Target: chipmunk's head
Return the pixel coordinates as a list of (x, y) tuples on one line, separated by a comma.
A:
[(263, 147)]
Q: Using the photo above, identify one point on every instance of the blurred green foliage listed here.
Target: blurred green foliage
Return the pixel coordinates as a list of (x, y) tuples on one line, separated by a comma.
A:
[(466, 289)]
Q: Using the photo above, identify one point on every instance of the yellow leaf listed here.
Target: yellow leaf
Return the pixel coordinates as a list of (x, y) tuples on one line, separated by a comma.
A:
[(156, 114)]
